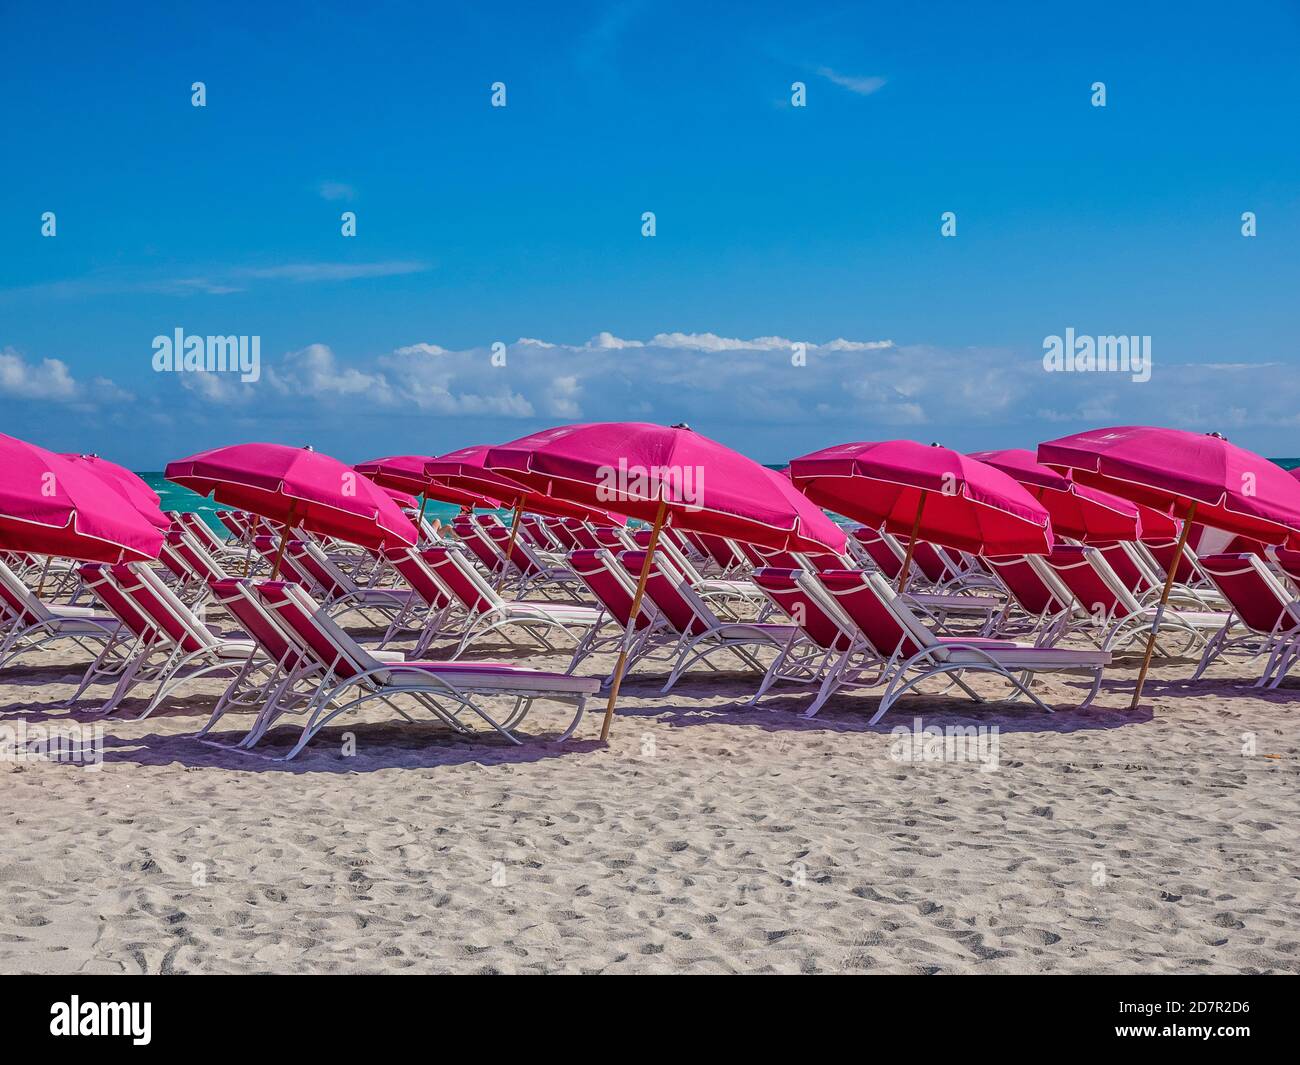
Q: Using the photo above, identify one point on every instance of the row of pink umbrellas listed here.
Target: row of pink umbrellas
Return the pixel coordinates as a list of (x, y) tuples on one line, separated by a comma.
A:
[(1120, 483)]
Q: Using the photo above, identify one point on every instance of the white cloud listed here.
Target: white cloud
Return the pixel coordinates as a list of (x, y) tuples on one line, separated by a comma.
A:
[(213, 281), (606, 341), (51, 381), (314, 373), (333, 271), (336, 190), (846, 388), (47, 379), (863, 86)]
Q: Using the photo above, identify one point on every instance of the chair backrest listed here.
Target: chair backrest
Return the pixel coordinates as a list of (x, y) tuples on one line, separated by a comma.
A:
[(170, 558), (726, 554), (416, 572), (601, 573), (679, 539), (268, 547), (474, 539), (789, 590), (531, 526), (882, 554), (303, 621), (311, 560), (926, 558), (764, 556), (861, 601), (1253, 592), (810, 560), (520, 552), (1024, 584), (237, 596), (682, 609), (1127, 568), (168, 616), (1163, 552), (1288, 562), (676, 557), (98, 579), (201, 530), (234, 524), (558, 528), (195, 558), (582, 535), (1091, 580), (20, 600), (611, 537), (461, 579)]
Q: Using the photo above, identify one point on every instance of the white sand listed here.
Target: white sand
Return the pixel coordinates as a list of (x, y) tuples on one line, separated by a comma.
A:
[(703, 839)]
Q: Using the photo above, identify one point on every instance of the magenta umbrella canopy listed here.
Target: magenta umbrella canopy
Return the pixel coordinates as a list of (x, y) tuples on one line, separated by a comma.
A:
[(52, 506), (1085, 514), (402, 499), (465, 470), (1172, 470), (632, 466), (297, 486), (136, 491), (406, 473), (963, 503)]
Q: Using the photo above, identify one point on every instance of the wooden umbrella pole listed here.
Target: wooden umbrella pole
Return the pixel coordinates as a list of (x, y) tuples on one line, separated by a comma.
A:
[(510, 550), (632, 616), (284, 539), (911, 544), (1164, 598)]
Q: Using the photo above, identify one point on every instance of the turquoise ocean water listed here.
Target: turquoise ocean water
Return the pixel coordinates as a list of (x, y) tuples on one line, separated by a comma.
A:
[(174, 497)]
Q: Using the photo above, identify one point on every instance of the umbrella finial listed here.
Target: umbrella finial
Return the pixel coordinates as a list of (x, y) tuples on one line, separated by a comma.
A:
[(1217, 436), (308, 447), (681, 425), (935, 443)]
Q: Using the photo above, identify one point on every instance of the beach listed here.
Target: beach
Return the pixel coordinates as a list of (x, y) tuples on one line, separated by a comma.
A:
[(705, 838)]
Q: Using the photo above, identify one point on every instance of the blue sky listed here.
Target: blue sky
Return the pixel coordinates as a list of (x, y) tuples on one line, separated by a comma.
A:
[(476, 224)]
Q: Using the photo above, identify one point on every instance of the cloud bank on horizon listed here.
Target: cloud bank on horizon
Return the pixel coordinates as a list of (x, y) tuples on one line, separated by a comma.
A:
[(741, 389)]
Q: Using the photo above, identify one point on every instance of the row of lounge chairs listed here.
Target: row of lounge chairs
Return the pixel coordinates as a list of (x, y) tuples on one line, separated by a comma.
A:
[(827, 623)]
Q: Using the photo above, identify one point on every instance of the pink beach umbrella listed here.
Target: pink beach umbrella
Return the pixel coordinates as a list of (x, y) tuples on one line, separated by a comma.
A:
[(129, 484), (403, 499), (665, 476), (297, 487), (637, 469), (931, 493), (406, 473), (1193, 476), (1082, 513), (464, 470), (51, 506)]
